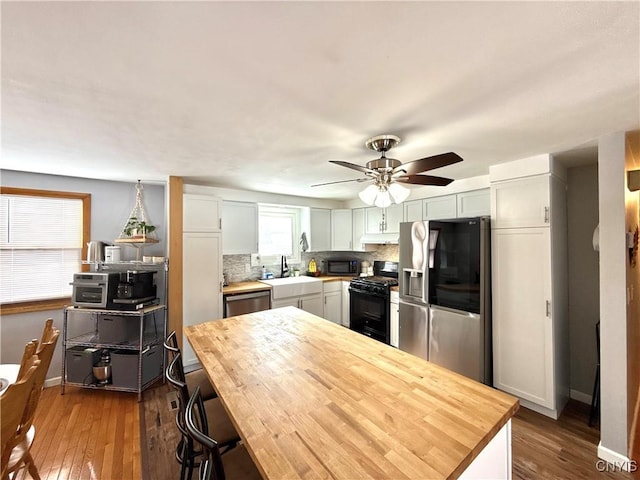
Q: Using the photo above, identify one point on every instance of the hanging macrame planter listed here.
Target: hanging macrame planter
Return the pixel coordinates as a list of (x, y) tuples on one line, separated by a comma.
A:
[(138, 229)]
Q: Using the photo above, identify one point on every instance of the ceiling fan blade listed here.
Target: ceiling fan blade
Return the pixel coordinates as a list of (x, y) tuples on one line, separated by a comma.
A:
[(424, 180), (341, 181), (428, 163), (353, 166)]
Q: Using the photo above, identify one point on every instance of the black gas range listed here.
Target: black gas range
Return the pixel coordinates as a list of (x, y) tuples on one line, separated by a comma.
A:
[(369, 299)]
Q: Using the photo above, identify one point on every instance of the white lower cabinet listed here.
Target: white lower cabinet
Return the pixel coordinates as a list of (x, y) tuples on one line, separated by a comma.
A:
[(333, 301), (523, 334), (394, 318), (309, 303)]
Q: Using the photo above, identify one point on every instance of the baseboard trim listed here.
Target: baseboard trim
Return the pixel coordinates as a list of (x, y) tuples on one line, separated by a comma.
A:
[(580, 396), (52, 382), (619, 461)]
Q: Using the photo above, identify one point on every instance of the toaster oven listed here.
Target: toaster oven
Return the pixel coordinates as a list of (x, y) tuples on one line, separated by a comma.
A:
[(95, 289)]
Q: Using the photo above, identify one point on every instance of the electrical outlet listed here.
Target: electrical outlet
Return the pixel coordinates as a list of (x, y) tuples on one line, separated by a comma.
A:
[(255, 259)]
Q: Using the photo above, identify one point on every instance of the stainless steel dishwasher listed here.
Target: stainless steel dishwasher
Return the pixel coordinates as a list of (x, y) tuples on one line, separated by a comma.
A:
[(241, 303)]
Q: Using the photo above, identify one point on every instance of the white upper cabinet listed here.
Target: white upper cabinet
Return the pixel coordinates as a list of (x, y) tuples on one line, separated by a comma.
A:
[(438, 208), (358, 217), (476, 203), (320, 238), (341, 229), (239, 227), (413, 211), (523, 202), (201, 213), (392, 219)]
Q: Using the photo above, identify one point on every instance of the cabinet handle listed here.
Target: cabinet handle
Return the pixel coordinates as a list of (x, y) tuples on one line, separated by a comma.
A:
[(220, 223), (221, 286), (548, 308), (546, 215)]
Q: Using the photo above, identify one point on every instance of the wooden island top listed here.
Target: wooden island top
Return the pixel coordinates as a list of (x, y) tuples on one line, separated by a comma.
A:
[(312, 399)]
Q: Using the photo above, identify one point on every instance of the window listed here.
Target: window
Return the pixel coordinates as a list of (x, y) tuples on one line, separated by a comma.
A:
[(279, 233), (43, 237)]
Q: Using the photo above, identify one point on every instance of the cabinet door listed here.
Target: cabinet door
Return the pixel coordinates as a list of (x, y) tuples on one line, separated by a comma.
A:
[(413, 211), (239, 228), (345, 304), (523, 355), (358, 229), (341, 229), (373, 220), (393, 216), (200, 213), (320, 238), (312, 304), (201, 284), (521, 203), (286, 302), (474, 204), (438, 208), (333, 307)]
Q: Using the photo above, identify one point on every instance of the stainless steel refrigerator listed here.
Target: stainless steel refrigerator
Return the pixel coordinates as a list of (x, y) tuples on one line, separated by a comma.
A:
[(445, 294)]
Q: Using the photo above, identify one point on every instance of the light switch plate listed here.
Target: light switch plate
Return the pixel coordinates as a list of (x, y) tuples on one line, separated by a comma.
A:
[(255, 259)]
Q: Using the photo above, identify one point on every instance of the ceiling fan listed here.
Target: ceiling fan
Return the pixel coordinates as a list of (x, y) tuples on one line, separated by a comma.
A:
[(388, 173)]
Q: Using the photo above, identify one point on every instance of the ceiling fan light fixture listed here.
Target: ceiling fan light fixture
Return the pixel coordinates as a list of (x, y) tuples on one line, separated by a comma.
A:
[(398, 192), (369, 194), (383, 199)]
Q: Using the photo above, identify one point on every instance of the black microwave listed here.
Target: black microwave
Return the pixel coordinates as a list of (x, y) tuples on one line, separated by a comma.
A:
[(343, 267)]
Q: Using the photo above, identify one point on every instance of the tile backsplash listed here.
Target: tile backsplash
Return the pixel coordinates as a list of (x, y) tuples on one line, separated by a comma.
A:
[(234, 266)]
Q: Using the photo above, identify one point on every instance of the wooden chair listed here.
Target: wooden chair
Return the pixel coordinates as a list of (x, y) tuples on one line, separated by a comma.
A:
[(20, 455), (186, 453), (12, 405), (235, 464), (193, 379)]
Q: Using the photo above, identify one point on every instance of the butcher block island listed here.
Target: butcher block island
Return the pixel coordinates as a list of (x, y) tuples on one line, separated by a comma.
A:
[(312, 399)]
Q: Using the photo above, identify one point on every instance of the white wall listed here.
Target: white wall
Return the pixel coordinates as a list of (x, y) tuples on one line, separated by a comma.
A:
[(613, 316), (111, 204)]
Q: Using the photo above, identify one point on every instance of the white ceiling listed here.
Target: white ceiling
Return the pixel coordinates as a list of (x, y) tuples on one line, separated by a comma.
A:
[(260, 95)]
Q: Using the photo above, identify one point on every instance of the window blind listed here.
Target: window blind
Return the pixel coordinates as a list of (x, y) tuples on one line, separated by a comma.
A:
[(40, 247)]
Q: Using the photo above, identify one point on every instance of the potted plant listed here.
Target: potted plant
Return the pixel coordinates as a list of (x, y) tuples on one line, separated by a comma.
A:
[(137, 228)]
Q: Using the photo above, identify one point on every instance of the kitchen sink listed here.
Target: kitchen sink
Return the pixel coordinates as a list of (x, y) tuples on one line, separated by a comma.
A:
[(293, 286)]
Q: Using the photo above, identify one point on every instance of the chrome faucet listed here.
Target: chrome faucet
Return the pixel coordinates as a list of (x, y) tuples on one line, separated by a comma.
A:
[(284, 268)]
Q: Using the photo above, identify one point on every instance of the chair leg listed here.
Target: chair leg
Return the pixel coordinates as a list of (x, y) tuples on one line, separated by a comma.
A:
[(595, 399), (31, 467)]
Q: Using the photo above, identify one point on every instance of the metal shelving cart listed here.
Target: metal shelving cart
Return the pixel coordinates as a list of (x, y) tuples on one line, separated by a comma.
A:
[(133, 339)]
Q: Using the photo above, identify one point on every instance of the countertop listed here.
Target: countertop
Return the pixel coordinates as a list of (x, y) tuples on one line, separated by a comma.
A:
[(245, 287), (257, 286), (313, 399)]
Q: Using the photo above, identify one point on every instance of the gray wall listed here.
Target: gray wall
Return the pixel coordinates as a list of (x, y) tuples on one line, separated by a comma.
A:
[(111, 203), (584, 296), (613, 307)]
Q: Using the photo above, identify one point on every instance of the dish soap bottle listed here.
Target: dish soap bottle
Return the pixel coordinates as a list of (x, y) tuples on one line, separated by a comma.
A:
[(264, 273), (313, 268)]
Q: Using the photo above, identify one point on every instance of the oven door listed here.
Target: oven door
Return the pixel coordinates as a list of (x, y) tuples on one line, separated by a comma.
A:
[(369, 314)]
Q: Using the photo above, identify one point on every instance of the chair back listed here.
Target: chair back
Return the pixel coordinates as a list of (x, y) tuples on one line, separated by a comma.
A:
[(173, 377), (29, 351), (173, 351), (211, 466), (44, 353), (12, 405)]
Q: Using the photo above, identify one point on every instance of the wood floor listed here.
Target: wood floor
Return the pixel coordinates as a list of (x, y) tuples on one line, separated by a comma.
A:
[(85, 434), (96, 435)]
